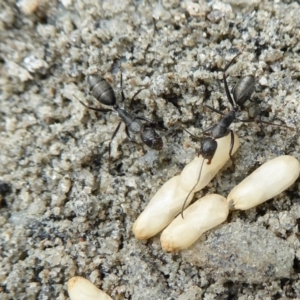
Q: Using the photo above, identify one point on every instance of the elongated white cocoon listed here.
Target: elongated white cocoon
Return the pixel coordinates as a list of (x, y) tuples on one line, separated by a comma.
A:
[(204, 214), (161, 210), (166, 204), (80, 288), (269, 180)]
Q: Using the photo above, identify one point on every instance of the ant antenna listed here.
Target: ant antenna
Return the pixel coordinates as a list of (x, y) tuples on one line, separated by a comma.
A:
[(187, 197)]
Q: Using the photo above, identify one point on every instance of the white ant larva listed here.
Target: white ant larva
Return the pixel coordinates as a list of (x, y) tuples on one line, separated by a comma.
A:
[(80, 288), (206, 213), (266, 182)]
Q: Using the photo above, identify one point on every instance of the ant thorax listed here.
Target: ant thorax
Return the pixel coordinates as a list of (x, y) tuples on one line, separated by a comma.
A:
[(136, 126)]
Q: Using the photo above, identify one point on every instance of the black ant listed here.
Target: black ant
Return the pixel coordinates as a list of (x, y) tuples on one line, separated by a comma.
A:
[(102, 91), (241, 92)]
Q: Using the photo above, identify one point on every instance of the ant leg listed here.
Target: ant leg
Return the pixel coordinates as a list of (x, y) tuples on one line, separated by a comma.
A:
[(136, 94), (154, 25), (232, 61), (157, 126), (274, 124), (128, 135), (122, 91), (231, 148), (230, 99), (94, 108), (130, 105), (187, 197), (192, 135), (109, 145), (145, 119), (258, 121), (207, 129), (121, 87), (215, 110)]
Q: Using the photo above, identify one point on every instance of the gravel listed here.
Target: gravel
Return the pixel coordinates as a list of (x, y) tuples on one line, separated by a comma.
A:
[(62, 214)]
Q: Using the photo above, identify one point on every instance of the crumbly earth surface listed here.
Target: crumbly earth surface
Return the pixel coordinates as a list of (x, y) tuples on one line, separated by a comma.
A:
[(63, 214)]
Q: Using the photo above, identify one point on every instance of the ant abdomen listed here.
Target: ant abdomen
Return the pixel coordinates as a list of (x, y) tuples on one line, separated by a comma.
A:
[(102, 90), (243, 89), (150, 137)]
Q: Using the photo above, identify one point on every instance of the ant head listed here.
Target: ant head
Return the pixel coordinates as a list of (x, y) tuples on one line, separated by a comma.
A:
[(208, 149), (150, 137)]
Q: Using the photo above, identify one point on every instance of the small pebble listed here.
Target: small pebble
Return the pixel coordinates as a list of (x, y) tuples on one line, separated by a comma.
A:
[(28, 6)]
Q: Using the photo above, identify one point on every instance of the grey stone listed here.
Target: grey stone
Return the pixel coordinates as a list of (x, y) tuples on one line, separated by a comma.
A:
[(242, 252)]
